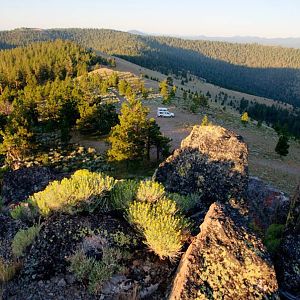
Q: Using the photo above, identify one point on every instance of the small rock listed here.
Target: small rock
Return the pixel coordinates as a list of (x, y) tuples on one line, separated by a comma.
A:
[(61, 283), (70, 279)]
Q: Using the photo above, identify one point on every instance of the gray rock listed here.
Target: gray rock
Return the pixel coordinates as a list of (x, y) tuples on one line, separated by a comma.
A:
[(61, 283), (212, 160), (18, 185)]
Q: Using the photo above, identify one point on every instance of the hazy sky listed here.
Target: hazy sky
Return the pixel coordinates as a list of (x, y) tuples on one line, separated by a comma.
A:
[(265, 18)]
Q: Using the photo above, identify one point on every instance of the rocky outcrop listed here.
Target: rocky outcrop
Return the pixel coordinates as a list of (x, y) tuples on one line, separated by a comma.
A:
[(19, 184), (211, 160), (288, 258), (293, 222), (225, 259), (267, 205)]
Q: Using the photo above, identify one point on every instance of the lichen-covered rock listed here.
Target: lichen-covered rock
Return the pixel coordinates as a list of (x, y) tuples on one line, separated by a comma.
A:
[(267, 205), (288, 257), (19, 184), (293, 222), (211, 159), (225, 261), (288, 266)]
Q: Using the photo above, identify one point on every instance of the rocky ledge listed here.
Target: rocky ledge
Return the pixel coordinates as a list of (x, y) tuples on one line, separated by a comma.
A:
[(225, 258)]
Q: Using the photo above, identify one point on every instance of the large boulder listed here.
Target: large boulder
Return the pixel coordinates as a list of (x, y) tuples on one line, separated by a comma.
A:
[(211, 160), (267, 205), (225, 261), (19, 184)]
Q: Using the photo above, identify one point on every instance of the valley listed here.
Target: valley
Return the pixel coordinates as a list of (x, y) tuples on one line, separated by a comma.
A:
[(283, 173)]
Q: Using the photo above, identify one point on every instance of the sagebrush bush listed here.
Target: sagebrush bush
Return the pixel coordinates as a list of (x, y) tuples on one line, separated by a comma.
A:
[(163, 228), (23, 239), (7, 271), (185, 202), (85, 190), (150, 191), (25, 211), (123, 193), (95, 272)]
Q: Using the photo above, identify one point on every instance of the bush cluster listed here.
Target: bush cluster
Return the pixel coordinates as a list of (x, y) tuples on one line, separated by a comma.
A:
[(123, 192), (23, 239), (161, 225), (7, 271), (83, 191), (150, 191), (95, 272)]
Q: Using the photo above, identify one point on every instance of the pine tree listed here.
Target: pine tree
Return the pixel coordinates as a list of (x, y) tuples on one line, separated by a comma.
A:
[(128, 139), (18, 138), (282, 146), (156, 139)]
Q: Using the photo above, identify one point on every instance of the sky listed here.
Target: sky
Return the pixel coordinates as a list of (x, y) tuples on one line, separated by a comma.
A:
[(263, 18)]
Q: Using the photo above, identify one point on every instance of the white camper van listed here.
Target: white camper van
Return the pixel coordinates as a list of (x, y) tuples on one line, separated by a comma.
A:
[(164, 113)]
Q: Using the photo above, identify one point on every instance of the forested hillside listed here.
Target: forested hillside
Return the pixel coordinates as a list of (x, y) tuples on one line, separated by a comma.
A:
[(260, 70), (39, 62)]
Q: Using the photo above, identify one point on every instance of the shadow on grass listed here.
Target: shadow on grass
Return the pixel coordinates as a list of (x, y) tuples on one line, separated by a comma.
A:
[(132, 170)]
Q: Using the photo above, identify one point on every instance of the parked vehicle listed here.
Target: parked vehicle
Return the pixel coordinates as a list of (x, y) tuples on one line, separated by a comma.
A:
[(164, 113)]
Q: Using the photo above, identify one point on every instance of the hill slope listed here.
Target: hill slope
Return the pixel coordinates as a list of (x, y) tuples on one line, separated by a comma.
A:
[(259, 70)]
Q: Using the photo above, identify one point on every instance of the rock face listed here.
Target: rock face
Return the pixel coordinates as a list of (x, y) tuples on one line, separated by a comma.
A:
[(288, 260), (211, 159), (293, 222), (19, 184), (225, 259), (267, 205)]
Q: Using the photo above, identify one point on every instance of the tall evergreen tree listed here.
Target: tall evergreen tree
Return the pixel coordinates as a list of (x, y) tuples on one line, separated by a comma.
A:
[(18, 138), (282, 147), (128, 139)]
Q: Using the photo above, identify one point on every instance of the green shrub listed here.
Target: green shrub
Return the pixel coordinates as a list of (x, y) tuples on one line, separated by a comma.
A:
[(96, 273), (83, 191), (25, 211), (7, 271), (150, 191), (123, 193), (273, 237), (163, 228), (23, 239), (185, 203)]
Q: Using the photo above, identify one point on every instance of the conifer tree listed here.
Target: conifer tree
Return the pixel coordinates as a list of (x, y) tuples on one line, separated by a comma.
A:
[(156, 139), (18, 138), (282, 146), (128, 139)]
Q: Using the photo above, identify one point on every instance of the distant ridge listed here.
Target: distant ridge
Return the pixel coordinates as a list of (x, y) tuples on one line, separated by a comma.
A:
[(284, 42), (137, 32)]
